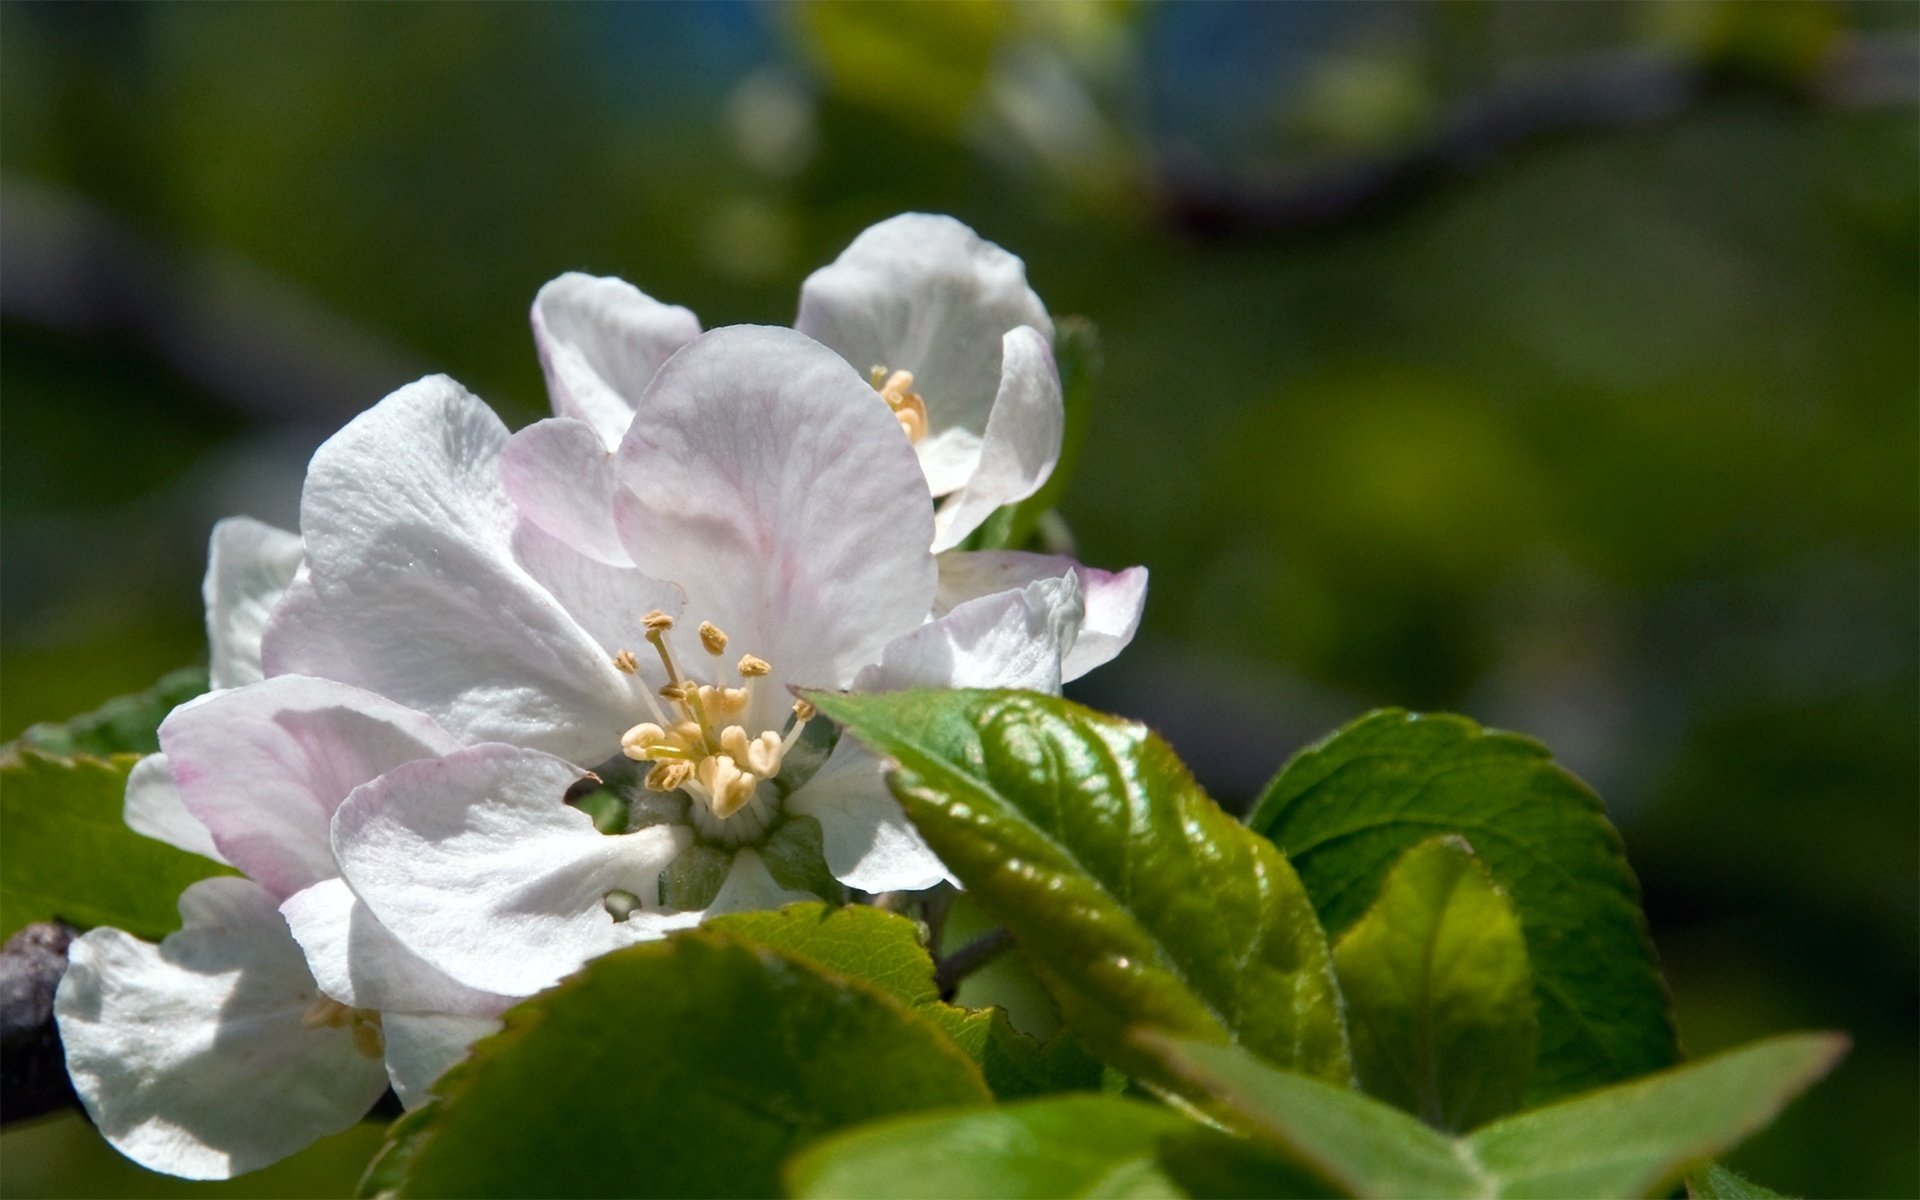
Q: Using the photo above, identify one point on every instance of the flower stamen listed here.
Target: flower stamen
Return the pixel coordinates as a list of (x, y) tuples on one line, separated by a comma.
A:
[(896, 388)]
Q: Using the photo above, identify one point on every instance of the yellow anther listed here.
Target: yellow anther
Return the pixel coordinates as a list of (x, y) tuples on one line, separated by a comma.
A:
[(723, 701), (625, 661), (763, 755), (713, 639), (368, 1037), (733, 740), (908, 408), (667, 776), (753, 668), (640, 742), (656, 623), (673, 691), (729, 786), (803, 711)]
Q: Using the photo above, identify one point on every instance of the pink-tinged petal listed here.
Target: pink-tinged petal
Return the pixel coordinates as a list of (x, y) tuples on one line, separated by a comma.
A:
[(412, 589), (1114, 599), (421, 1046), (600, 342), (356, 961), (560, 477), (249, 565), (1022, 442), (264, 767), (154, 809), (478, 866), (867, 840), (925, 294), (609, 602), (1011, 639), (762, 476), (192, 1057)]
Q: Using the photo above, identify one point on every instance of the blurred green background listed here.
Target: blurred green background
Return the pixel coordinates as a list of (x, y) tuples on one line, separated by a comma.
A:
[(1555, 364)]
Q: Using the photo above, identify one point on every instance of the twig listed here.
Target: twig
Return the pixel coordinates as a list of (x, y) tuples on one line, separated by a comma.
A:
[(968, 959)]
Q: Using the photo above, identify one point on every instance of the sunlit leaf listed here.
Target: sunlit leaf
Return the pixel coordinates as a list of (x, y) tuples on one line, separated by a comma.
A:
[(1346, 809), (1136, 899), (67, 852), (1439, 998)]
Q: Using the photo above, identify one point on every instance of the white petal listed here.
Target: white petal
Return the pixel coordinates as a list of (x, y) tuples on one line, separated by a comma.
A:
[(421, 1046), (413, 591), (762, 477), (926, 294), (608, 602), (1022, 442), (1114, 599), (191, 1056), (1011, 639), (868, 841), (249, 565), (477, 866), (560, 477), (263, 768), (948, 459), (355, 960), (154, 808), (600, 342)]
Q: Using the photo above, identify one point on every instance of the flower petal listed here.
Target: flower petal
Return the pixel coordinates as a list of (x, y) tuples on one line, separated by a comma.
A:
[(1114, 599), (358, 962), (560, 477), (263, 768), (474, 862), (762, 477), (154, 809), (421, 1046), (925, 294), (1022, 442), (868, 841), (412, 589), (191, 1056), (608, 602), (1011, 639), (600, 341), (249, 565)]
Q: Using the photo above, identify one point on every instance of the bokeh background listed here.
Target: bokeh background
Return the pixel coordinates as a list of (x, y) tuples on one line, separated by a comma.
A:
[(1555, 364)]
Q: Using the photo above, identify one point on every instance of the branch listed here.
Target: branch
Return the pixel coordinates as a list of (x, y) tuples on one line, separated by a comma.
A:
[(969, 958), (1608, 93), (33, 1070)]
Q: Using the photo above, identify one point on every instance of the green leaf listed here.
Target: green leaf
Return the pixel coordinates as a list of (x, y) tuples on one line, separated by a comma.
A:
[(1063, 1146), (67, 852), (690, 1066), (1346, 809), (1715, 1182), (1135, 898), (1439, 997), (886, 951), (1630, 1140), (125, 725)]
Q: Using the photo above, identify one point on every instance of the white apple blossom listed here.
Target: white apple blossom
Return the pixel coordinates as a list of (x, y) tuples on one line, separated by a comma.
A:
[(783, 529), (218, 1051), (940, 321)]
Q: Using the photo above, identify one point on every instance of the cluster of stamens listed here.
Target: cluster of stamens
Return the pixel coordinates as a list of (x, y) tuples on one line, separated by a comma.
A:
[(896, 388), (327, 1013), (692, 743)]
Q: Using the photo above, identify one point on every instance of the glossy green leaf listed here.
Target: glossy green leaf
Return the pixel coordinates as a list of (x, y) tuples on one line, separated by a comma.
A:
[(1063, 1146), (1630, 1140), (885, 950), (691, 1066), (1715, 1182), (1346, 809), (1136, 899), (1439, 997), (68, 853), (124, 725)]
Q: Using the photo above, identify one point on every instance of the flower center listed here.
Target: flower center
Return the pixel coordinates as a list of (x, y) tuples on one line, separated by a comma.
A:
[(327, 1013), (695, 747), (896, 388)]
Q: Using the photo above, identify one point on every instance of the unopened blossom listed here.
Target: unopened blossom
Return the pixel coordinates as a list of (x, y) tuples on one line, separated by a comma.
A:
[(782, 529), (281, 1010)]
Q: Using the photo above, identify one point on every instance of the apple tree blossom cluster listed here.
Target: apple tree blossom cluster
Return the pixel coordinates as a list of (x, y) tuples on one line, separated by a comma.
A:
[(474, 628)]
